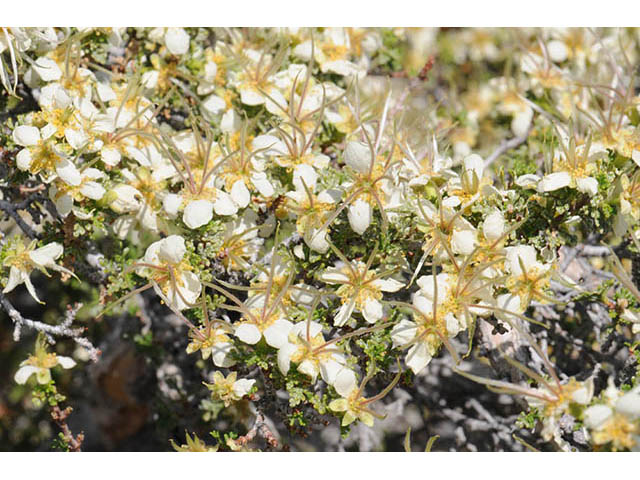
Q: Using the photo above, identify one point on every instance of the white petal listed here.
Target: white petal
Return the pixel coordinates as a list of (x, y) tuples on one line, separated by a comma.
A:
[(554, 181), (92, 190), (557, 51), (309, 368), (248, 333), (587, 185), (345, 382), (284, 357), (16, 277), (187, 292), (26, 135), (333, 275), (31, 289), (528, 181), (23, 374), (68, 172), (45, 256), (220, 354), (596, 415), (198, 213), (24, 159), (303, 50), (66, 362), (171, 203), (251, 97), (493, 226), (214, 105), (127, 198), (388, 284), (427, 286), (317, 240), (520, 253), (172, 249), (403, 332), (243, 386), (452, 324), (584, 394), (307, 174), (276, 101), (176, 41), (474, 163), (329, 370), (463, 242), (277, 334), (48, 131), (47, 69), (424, 305), (629, 404), (344, 313), (521, 122), (418, 357), (240, 194), (230, 122), (510, 302), (262, 183), (76, 138), (359, 216), (372, 311), (224, 204), (150, 79), (105, 92), (357, 155), (270, 144)]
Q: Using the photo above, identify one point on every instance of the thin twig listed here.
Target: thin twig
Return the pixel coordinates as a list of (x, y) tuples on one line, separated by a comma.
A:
[(60, 417), (50, 331)]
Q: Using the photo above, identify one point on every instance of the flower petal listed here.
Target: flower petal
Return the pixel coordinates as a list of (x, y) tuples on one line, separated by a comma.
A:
[(359, 216), (345, 382), (23, 374), (26, 135), (418, 357), (198, 213), (276, 335), (248, 333), (554, 181)]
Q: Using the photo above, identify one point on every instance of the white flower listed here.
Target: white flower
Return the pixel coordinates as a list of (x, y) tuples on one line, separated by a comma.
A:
[(522, 259), (41, 364), (229, 389), (259, 322), (41, 154), (312, 210), (214, 343), (617, 422), (304, 347), (575, 172), (64, 195), (171, 275), (360, 290), (23, 259)]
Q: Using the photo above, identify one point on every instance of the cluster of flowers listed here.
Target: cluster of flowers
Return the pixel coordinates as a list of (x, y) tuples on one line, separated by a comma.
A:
[(294, 157)]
